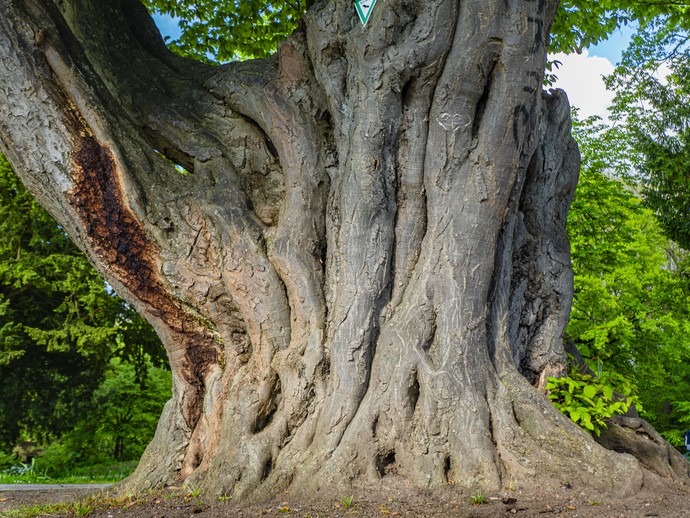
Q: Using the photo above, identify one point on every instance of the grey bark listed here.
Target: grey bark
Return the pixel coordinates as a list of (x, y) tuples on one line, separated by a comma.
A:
[(366, 271)]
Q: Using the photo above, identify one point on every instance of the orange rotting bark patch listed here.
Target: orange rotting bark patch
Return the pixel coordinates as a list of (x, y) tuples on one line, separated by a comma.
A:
[(119, 240)]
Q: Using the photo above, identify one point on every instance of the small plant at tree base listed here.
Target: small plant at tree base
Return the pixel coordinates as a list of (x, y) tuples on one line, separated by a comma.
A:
[(587, 401), (83, 509), (478, 498), (347, 501)]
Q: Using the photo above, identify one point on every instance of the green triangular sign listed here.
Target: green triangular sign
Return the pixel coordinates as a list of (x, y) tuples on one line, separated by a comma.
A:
[(364, 9)]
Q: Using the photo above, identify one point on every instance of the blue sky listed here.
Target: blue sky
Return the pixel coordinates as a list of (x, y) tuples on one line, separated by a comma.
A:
[(612, 48), (167, 25), (581, 75)]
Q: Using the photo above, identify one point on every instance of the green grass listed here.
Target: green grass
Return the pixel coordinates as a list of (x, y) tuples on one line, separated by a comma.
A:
[(478, 498), (30, 511), (79, 508), (100, 474)]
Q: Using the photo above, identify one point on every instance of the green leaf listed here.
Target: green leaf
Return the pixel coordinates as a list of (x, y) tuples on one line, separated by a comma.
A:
[(608, 392), (589, 391)]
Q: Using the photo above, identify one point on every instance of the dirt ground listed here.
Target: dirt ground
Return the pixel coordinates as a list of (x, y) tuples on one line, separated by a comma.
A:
[(396, 499)]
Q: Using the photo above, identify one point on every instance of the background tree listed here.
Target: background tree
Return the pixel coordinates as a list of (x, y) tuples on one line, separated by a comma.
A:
[(365, 270), (125, 412), (118, 423), (59, 323), (630, 307), (652, 85), (648, 148)]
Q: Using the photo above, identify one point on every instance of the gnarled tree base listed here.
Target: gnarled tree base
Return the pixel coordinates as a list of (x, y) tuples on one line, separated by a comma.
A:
[(536, 448), (365, 271)]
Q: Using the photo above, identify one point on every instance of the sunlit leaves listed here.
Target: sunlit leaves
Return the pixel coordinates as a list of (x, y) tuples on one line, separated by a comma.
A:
[(232, 29), (652, 103), (586, 400), (632, 302), (581, 23)]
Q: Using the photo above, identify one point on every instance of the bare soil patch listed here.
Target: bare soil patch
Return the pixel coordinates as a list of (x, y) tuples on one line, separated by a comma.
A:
[(394, 500)]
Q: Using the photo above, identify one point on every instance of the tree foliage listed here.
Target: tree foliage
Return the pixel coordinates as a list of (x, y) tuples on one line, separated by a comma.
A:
[(581, 23), (588, 401), (59, 322), (652, 131), (652, 104), (630, 309), (125, 412), (120, 420), (632, 315), (231, 30)]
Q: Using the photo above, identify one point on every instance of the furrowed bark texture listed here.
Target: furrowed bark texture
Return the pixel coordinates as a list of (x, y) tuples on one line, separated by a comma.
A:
[(363, 270)]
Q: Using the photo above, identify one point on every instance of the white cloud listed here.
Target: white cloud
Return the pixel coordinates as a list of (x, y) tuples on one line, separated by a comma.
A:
[(580, 75)]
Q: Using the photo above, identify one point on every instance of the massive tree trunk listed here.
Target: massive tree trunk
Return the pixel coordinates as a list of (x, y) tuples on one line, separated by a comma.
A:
[(363, 269)]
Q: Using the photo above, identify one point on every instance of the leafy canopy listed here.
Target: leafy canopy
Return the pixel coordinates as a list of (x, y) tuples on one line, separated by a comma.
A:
[(632, 299), (230, 30), (59, 323), (652, 104), (239, 29), (581, 23)]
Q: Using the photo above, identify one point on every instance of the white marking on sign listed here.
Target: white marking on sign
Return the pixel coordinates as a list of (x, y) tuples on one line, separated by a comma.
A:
[(364, 9)]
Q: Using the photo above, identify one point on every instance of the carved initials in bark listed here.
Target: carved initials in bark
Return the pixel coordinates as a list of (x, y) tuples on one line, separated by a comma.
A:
[(367, 270)]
